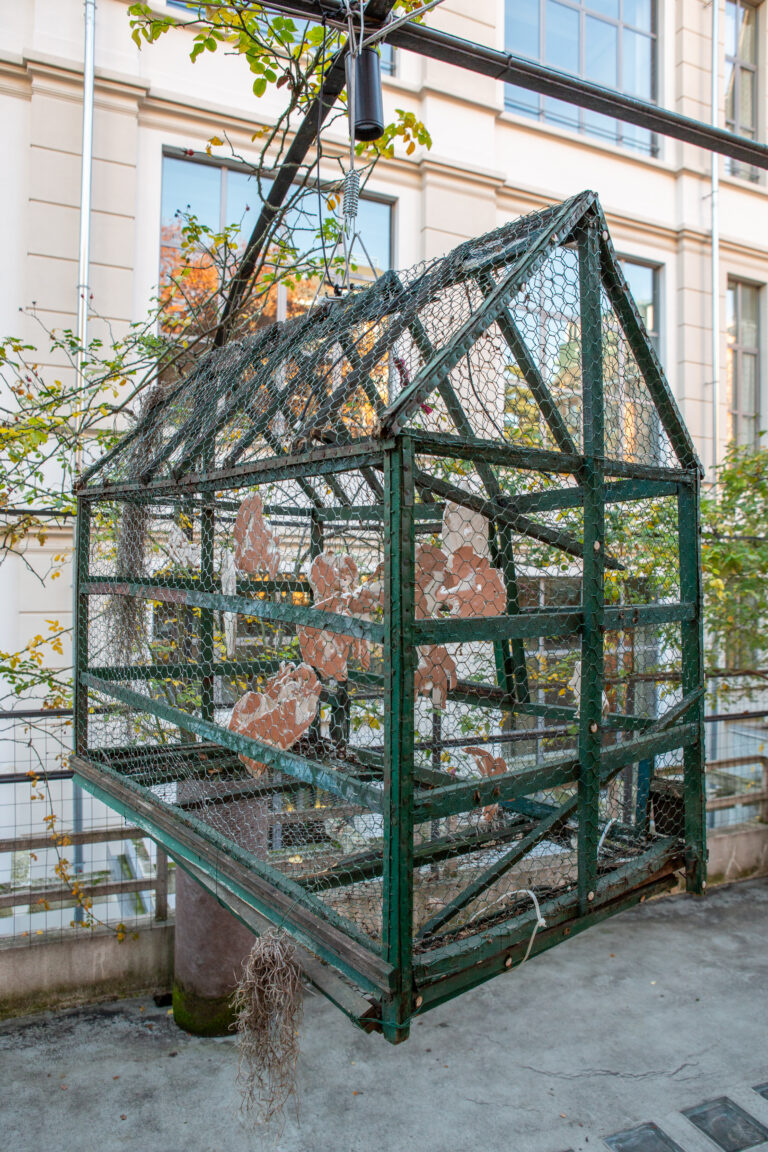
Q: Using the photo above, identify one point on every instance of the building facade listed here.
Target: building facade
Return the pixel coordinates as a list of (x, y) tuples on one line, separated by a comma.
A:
[(498, 151)]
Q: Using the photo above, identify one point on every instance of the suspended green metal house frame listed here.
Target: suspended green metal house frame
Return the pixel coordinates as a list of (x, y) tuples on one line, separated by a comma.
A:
[(389, 620)]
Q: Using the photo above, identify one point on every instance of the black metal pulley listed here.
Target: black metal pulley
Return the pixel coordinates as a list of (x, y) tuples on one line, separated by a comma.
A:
[(369, 109)]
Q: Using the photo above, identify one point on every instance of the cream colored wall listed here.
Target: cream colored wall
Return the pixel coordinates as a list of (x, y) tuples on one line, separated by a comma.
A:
[(486, 166)]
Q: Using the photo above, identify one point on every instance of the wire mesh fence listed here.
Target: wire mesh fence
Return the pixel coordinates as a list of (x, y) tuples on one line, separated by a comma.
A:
[(66, 859), (131, 883)]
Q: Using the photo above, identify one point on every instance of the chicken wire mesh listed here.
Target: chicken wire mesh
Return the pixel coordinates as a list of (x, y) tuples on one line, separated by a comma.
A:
[(396, 605)]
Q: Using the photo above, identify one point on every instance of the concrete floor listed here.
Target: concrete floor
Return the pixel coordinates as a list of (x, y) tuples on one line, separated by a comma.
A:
[(658, 1010)]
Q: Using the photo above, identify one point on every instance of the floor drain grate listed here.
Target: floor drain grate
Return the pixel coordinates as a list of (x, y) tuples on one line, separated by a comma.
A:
[(727, 1125), (644, 1138)]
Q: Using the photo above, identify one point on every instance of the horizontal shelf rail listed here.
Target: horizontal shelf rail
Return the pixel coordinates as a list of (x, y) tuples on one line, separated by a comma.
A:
[(310, 771)]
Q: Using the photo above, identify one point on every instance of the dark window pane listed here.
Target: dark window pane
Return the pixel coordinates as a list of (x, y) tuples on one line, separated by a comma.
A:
[(190, 187), (562, 37)]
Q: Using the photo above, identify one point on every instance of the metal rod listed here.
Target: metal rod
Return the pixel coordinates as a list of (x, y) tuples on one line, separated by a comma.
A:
[(715, 218), (512, 69)]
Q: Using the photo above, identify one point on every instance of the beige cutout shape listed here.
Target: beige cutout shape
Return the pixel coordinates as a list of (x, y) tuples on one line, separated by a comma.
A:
[(280, 713)]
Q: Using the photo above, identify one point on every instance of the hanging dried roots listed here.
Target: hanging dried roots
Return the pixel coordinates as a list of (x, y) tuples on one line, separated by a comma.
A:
[(269, 1004)]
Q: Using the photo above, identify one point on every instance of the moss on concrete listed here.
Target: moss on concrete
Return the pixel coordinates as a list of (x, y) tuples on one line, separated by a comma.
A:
[(201, 1015)]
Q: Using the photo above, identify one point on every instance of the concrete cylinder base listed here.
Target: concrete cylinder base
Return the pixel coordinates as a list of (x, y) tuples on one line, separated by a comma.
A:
[(210, 948)]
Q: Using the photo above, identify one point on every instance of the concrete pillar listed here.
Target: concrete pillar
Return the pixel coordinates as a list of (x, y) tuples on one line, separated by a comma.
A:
[(210, 948)]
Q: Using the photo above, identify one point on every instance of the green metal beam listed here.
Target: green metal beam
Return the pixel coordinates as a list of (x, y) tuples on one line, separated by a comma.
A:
[(593, 594), (282, 613), (399, 659), (329, 935), (321, 775)]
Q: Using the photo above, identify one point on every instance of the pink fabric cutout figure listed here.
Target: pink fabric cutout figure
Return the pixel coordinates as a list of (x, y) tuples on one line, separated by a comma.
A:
[(333, 577), (489, 766), (435, 673), (279, 714), (430, 567), (472, 587), (256, 548)]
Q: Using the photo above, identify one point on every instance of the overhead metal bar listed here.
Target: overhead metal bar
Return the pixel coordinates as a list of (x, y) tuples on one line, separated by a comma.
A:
[(333, 83), (513, 69)]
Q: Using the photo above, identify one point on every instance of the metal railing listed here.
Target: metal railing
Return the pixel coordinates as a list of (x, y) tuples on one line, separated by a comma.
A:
[(66, 859)]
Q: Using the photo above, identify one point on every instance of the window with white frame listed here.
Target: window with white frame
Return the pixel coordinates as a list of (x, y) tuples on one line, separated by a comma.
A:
[(643, 281), (610, 42), (741, 77), (223, 196), (743, 363)]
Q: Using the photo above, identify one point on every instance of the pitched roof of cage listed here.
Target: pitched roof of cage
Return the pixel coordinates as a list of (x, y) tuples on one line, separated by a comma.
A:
[(386, 358)]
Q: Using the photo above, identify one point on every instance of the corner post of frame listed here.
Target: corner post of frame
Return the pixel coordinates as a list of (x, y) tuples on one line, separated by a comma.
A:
[(692, 679), (593, 481), (399, 655), (207, 584), (80, 633)]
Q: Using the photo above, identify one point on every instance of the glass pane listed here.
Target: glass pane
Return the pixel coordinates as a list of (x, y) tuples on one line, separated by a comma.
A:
[(748, 384), (749, 304), (603, 126), (189, 187), (521, 100), (748, 431), (731, 27), (747, 34), (243, 200), (639, 13), (521, 27), (730, 385), (637, 68), (562, 37), (730, 311), (642, 282), (639, 138), (730, 93), (559, 112), (387, 59), (746, 99), (607, 7), (601, 52), (374, 223)]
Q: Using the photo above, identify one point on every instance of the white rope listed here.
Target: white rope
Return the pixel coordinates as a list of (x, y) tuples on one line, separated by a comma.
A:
[(540, 921), (606, 830)]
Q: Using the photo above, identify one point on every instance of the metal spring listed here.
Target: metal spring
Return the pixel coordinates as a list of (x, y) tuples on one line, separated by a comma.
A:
[(351, 193)]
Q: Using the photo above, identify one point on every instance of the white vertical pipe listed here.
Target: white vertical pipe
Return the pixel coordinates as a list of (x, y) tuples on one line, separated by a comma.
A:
[(715, 219), (83, 296), (84, 260)]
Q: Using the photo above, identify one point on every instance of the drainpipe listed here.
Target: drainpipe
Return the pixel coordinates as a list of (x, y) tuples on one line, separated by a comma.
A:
[(715, 317), (715, 211), (83, 294)]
